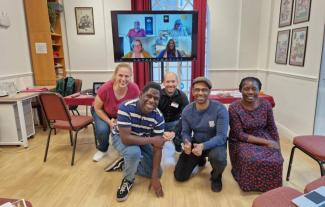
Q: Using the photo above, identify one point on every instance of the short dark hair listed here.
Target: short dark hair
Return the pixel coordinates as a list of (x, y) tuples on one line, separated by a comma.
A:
[(259, 83), (153, 85)]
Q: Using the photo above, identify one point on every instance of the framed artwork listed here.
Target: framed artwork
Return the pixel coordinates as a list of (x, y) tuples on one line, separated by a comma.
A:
[(84, 20), (302, 11), (282, 47), (298, 46), (285, 13)]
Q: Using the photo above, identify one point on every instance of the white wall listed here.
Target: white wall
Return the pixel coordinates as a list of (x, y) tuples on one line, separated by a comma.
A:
[(224, 30), (15, 61), (295, 88), (242, 39), (91, 57)]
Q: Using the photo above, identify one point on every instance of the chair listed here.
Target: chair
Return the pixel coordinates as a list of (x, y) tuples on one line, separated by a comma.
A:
[(311, 145), (58, 117), (278, 197), (315, 184), (42, 120), (77, 88), (5, 200), (281, 197)]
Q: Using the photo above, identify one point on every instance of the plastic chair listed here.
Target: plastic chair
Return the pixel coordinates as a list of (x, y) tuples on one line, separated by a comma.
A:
[(58, 117), (77, 89), (311, 145)]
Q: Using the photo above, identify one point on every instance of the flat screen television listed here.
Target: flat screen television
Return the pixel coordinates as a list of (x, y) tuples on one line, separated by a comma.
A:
[(152, 36)]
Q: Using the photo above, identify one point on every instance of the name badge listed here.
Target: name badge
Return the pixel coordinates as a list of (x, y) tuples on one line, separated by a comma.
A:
[(211, 124), (175, 105)]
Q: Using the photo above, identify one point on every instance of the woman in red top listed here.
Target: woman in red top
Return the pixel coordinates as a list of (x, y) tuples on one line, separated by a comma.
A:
[(108, 98)]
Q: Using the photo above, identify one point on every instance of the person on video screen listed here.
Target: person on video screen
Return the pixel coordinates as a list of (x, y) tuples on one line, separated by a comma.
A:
[(137, 50), (170, 51), (136, 31), (178, 29)]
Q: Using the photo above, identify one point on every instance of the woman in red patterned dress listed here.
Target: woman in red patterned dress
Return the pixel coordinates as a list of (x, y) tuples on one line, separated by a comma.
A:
[(254, 140)]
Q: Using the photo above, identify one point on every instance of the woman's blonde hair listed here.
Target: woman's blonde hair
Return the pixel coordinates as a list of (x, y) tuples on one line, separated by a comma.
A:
[(121, 65)]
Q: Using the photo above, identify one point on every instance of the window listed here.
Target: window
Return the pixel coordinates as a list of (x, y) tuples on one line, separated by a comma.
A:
[(182, 69)]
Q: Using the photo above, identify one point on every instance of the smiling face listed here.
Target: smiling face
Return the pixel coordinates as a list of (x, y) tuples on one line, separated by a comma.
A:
[(170, 83), (171, 45), (200, 92), (137, 46), (250, 91), (122, 77), (149, 100)]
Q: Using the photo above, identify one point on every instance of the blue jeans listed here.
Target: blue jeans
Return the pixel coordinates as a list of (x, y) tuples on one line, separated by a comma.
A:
[(137, 158), (102, 132), (175, 126)]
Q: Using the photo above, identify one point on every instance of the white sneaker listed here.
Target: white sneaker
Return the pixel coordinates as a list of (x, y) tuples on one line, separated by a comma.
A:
[(99, 155)]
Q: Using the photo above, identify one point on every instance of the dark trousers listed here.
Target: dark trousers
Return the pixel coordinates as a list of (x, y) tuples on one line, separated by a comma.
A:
[(186, 163)]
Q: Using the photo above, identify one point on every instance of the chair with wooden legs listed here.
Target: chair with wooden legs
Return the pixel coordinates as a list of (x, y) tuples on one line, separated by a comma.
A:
[(58, 117)]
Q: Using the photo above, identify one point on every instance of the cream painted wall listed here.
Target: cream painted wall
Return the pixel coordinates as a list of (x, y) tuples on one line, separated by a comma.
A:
[(249, 33), (295, 88), (92, 53), (15, 61), (242, 42), (224, 29)]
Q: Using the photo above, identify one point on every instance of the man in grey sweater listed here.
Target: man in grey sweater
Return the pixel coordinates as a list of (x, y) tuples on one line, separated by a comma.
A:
[(204, 133)]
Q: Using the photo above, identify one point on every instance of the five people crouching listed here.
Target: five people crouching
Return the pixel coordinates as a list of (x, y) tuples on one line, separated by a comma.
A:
[(141, 126)]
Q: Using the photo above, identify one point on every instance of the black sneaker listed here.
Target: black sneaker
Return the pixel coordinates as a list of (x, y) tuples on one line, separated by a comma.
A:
[(216, 185), (202, 162), (123, 190), (117, 165)]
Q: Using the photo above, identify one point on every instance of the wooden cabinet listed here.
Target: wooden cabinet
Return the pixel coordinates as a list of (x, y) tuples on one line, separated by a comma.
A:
[(46, 46)]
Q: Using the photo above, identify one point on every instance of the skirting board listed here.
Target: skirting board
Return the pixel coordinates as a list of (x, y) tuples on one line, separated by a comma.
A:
[(285, 132)]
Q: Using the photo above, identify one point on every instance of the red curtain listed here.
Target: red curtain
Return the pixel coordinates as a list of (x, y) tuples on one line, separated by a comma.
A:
[(141, 69), (198, 64)]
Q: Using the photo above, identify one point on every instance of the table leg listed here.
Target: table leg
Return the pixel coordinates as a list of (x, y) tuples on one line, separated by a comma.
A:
[(22, 123)]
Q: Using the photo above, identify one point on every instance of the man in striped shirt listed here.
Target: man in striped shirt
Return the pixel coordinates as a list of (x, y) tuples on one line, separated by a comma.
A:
[(139, 139)]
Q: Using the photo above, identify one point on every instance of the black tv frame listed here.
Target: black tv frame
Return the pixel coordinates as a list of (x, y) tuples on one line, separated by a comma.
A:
[(153, 59)]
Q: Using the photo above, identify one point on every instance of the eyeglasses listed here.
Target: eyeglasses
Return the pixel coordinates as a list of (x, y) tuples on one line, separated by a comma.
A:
[(203, 90)]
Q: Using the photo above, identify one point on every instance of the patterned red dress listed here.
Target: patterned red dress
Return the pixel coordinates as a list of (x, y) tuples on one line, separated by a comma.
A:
[(254, 167)]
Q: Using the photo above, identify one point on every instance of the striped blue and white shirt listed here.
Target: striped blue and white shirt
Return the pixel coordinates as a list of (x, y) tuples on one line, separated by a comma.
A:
[(142, 125)]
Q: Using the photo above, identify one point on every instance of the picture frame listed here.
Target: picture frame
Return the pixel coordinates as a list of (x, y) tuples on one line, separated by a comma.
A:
[(282, 47), (298, 46), (302, 11), (285, 16), (84, 20)]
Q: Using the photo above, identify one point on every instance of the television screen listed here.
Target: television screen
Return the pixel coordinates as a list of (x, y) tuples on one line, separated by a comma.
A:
[(154, 36)]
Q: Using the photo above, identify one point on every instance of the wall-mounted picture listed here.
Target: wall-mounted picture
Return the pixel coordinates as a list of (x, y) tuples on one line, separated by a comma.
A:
[(285, 13), (282, 46), (298, 46), (302, 11), (84, 20)]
